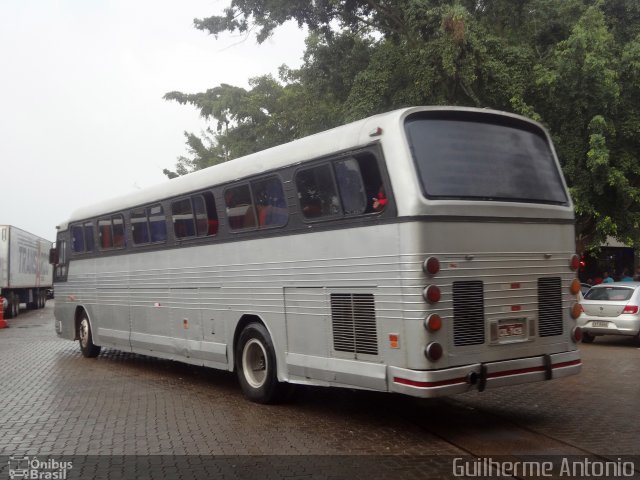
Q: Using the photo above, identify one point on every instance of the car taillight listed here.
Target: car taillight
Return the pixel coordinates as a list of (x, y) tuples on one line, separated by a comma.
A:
[(630, 309), (576, 334), (574, 262)]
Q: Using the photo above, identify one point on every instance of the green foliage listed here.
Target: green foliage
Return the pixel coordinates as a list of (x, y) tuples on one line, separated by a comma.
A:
[(573, 65)]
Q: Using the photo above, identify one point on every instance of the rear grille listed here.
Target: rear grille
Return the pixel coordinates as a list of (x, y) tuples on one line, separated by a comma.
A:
[(468, 313), (354, 323), (550, 306)]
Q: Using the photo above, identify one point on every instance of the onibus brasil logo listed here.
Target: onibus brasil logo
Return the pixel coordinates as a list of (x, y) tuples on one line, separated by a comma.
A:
[(33, 468)]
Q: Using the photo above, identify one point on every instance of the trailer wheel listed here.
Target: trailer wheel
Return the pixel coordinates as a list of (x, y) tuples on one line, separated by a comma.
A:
[(256, 365), (87, 346)]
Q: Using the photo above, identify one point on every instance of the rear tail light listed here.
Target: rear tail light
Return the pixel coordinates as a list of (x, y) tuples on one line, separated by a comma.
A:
[(574, 262), (576, 334), (431, 294), (433, 322), (576, 310), (433, 351), (630, 309), (431, 266)]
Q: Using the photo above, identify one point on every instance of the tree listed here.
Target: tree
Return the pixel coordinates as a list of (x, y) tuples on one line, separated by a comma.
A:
[(573, 65)]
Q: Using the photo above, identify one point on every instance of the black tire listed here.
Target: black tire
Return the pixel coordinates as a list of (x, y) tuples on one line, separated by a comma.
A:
[(256, 366), (85, 337), (587, 337)]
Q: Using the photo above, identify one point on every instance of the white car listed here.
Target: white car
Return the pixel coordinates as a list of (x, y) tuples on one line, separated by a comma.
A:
[(610, 309)]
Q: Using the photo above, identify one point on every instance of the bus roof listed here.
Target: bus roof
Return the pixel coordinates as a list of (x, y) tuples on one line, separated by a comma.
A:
[(342, 138)]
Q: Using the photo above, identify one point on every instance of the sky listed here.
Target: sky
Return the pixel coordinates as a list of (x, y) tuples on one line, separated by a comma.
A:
[(82, 118)]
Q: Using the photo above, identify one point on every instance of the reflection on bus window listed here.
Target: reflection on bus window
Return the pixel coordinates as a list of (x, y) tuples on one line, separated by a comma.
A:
[(139, 227), (182, 213), (88, 237), (239, 207), (77, 238), (350, 185), (118, 231), (157, 223), (270, 202), (317, 192)]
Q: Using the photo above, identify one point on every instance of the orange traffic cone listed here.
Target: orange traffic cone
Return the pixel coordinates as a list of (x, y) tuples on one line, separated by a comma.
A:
[(3, 322)]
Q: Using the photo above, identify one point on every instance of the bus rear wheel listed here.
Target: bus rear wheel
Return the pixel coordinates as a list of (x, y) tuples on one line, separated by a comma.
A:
[(85, 336), (256, 365)]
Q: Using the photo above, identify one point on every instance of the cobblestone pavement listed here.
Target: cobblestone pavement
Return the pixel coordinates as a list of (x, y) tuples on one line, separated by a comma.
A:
[(53, 401)]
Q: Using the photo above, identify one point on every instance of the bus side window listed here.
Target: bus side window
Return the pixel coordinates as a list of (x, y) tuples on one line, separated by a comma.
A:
[(157, 223), (270, 202), (139, 227), (317, 192), (182, 213), (118, 231), (239, 207), (351, 188), (206, 217), (77, 239), (375, 191), (88, 237), (212, 215)]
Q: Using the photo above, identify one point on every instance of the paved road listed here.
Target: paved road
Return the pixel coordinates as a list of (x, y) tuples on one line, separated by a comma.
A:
[(54, 402)]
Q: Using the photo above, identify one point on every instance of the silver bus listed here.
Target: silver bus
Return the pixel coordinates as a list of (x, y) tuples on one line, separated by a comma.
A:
[(427, 251)]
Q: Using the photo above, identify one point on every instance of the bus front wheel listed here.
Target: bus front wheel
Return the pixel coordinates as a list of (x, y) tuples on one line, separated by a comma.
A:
[(256, 365), (87, 346)]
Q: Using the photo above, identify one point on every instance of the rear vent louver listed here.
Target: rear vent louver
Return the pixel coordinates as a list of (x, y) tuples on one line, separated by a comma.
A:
[(468, 313), (550, 306), (353, 318)]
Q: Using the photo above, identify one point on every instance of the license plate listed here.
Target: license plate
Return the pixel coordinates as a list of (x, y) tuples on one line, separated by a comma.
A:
[(599, 324), (511, 330)]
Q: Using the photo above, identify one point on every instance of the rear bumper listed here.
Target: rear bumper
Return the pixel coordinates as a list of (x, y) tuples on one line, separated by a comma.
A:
[(614, 326), (479, 376)]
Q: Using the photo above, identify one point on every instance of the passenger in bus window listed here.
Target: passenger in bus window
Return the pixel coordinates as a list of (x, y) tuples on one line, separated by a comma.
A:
[(380, 200)]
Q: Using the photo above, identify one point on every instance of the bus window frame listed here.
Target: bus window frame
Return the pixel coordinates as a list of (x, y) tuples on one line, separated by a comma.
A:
[(376, 153)]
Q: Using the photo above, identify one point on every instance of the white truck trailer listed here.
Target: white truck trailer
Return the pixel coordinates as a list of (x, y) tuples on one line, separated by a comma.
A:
[(25, 273)]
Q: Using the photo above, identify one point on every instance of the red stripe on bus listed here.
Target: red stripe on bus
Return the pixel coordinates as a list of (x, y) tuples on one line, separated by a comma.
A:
[(413, 383)]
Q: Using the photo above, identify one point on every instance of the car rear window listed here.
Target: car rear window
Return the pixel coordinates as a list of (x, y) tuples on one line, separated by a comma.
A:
[(612, 294)]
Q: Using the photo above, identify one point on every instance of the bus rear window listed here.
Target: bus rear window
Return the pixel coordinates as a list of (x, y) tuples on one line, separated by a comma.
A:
[(462, 159)]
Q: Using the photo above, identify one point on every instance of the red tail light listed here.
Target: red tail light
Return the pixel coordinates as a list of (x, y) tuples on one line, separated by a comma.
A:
[(577, 334), (630, 309), (433, 322), (431, 294), (431, 266)]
